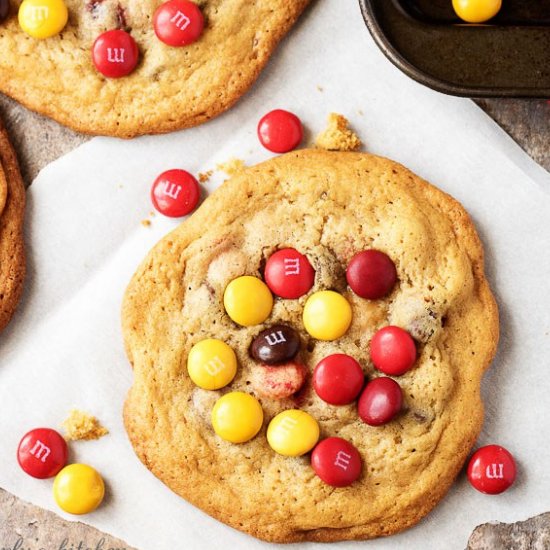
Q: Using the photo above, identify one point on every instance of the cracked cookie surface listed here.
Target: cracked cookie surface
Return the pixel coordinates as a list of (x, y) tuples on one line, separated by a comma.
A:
[(328, 206), (172, 88), (12, 207)]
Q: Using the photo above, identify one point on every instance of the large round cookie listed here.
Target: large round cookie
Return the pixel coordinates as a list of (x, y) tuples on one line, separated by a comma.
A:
[(171, 88), (12, 206), (328, 206)]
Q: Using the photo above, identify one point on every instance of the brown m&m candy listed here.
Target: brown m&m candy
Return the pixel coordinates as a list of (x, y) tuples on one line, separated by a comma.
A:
[(275, 345)]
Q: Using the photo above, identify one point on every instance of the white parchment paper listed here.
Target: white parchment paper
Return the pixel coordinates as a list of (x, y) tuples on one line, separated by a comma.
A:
[(64, 347)]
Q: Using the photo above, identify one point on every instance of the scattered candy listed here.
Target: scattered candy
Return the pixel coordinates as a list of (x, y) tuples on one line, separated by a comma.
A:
[(293, 433), (237, 417), (248, 301), (175, 193), (327, 315), (211, 364), (275, 345), (289, 274), (78, 489), (492, 469), (280, 131), (43, 18), (280, 381), (4, 9), (476, 11), (338, 379), (115, 53), (42, 453), (336, 461), (380, 401), (178, 22), (393, 350), (371, 274)]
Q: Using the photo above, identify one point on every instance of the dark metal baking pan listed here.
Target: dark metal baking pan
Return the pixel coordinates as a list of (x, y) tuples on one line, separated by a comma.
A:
[(507, 57)]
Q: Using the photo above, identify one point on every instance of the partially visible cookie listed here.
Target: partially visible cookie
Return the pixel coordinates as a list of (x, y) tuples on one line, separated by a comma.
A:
[(170, 89), (328, 206), (12, 206)]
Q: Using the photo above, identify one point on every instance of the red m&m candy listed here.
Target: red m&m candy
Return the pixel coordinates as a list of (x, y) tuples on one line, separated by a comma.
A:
[(175, 193), (380, 401), (338, 379), (115, 54), (492, 469), (178, 22), (42, 453), (393, 350), (371, 274), (289, 274), (280, 131), (336, 462)]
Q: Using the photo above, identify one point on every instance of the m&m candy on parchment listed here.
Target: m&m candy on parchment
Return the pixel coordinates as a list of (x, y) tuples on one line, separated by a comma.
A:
[(115, 53), (78, 489), (336, 461), (338, 379), (248, 300), (175, 193), (280, 131), (212, 364), (178, 22), (42, 453), (43, 18), (288, 273), (237, 417), (492, 469), (393, 350), (327, 315), (293, 432)]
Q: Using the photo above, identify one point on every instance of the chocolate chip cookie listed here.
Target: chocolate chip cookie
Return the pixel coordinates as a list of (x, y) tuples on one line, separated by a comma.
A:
[(171, 87), (328, 206), (12, 207)]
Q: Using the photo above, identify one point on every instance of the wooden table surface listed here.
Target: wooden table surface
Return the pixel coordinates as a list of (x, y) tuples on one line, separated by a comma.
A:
[(39, 141)]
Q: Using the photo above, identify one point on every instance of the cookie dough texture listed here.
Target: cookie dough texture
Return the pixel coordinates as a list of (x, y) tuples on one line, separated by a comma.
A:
[(328, 206), (12, 207), (337, 136), (172, 88), (80, 425)]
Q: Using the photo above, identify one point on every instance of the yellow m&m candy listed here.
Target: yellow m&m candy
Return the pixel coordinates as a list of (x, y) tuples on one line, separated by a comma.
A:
[(293, 433), (327, 315), (211, 364), (43, 18), (78, 489), (476, 11), (237, 417), (248, 301)]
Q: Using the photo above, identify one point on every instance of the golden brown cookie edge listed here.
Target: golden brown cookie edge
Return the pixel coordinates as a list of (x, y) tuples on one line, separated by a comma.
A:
[(12, 250)]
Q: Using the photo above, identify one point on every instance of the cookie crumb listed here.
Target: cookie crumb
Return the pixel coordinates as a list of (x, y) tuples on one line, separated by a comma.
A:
[(80, 425), (146, 223), (337, 136), (320, 88), (232, 166), (205, 176), (360, 112)]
